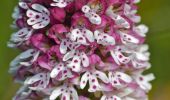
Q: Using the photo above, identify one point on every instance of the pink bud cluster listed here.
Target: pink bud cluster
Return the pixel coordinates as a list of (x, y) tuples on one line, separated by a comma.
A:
[(80, 50)]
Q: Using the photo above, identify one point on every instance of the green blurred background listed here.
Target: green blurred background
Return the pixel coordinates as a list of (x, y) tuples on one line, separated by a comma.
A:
[(155, 14)]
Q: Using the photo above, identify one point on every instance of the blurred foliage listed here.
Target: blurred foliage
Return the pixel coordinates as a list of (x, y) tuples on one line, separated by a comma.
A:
[(155, 14)]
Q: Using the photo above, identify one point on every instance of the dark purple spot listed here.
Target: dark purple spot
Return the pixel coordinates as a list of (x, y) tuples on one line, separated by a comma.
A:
[(75, 61), (119, 75), (115, 82), (120, 56), (141, 78), (94, 87), (65, 71), (37, 16), (93, 80)]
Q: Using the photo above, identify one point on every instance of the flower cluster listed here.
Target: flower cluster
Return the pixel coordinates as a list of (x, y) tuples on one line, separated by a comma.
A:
[(80, 50)]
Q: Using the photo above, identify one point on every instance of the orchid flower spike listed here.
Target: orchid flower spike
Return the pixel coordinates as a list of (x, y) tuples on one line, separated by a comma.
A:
[(80, 50)]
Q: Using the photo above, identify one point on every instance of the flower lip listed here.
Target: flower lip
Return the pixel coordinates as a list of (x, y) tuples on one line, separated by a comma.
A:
[(38, 17), (41, 78), (20, 37), (91, 15), (66, 91)]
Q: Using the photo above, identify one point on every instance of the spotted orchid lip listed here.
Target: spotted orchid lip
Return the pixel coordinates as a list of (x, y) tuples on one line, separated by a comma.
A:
[(38, 17), (92, 46)]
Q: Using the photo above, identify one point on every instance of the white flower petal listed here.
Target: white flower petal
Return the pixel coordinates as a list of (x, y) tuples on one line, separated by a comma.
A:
[(103, 38), (20, 37), (89, 35), (80, 35), (86, 9), (95, 19), (103, 97), (143, 81), (34, 54), (108, 39), (75, 33), (26, 54), (63, 46), (97, 34), (40, 8), (143, 48), (142, 57), (109, 12), (139, 65), (81, 40), (121, 22), (65, 96), (136, 18), (116, 83), (59, 3), (68, 55), (75, 64), (72, 45), (125, 91), (116, 98), (129, 98), (84, 79), (84, 59), (141, 30), (32, 13), (26, 59), (102, 76), (23, 5), (66, 74), (142, 53), (92, 16), (94, 84), (33, 20), (149, 77), (119, 57), (38, 17), (43, 79), (136, 1), (131, 13), (34, 79), (124, 77), (114, 80), (56, 70), (74, 94), (56, 93), (23, 55), (126, 38), (40, 25), (115, 57)]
